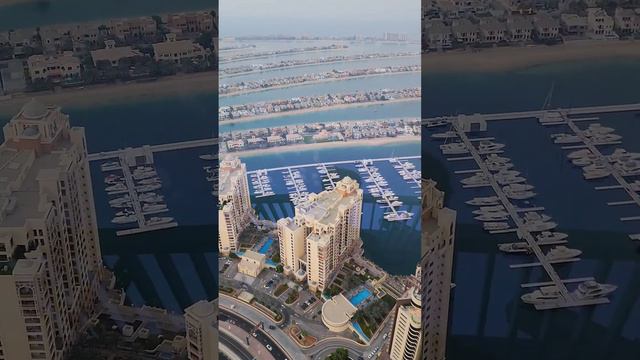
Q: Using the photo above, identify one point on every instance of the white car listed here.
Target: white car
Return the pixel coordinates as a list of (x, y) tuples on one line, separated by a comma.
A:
[(269, 347)]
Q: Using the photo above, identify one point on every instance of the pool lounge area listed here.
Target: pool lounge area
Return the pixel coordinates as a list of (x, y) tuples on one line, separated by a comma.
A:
[(360, 297)]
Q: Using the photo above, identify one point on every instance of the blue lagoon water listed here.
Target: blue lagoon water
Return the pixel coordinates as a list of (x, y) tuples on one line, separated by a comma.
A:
[(488, 320)]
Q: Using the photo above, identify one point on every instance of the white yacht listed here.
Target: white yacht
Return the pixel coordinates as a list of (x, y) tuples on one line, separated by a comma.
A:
[(144, 175), (150, 187), (148, 181), (517, 187), (490, 226), (109, 166), (117, 187), (565, 138), (112, 178), (605, 139), (596, 174), (622, 155), (592, 290), (537, 225), (562, 253), (120, 200), (437, 123), (150, 197), (549, 236), (484, 201), (454, 148), (154, 220), (398, 216), (544, 295), (476, 179), (577, 154), (153, 207), (125, 212), (488, 147), (486, 209), (496, 159), (495, 216), (628, 167), (207, 157), (597, 129), (121, 205), (534, 216), (509, 179), (519, 247), (499, 167), (124, 219)]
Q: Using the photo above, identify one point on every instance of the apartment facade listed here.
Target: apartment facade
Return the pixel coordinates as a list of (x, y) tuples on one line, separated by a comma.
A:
[(322, 233), (191, 22), (600, 24), (54, 67), (438, 234), (177, 51), (234, 204), (626, 21), (50, 262), (406, 339), (201, 320)]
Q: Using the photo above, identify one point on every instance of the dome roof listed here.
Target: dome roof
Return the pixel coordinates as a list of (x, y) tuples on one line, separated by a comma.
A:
[(34, 110)]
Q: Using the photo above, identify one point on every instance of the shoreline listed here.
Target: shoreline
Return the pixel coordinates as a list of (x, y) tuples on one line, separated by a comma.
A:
[(519, 58), (313, 110), (109, 94), (327, 145), (251, 91)]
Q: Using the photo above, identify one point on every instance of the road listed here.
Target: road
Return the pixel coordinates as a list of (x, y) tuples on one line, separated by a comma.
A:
[(234, 346), (260, 335)]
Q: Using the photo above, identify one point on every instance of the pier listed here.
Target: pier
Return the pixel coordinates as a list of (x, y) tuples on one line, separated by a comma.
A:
[(294, 178), (407, 170), (328, 176), (380, 189), (567, 299), (189, 144)]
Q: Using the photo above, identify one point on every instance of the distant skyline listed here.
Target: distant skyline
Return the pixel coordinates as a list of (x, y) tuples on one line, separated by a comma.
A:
[(319, 18)]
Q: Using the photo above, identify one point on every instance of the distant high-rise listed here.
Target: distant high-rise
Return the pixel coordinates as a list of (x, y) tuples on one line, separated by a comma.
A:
[(50, 262), (438, 233), (322, 233), (234, 204), (406, 338), (201, 321)]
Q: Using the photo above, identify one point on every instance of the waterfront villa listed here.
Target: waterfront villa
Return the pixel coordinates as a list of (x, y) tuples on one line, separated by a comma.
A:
[(573, 24), (519, 28), (626, 21), (465, 31), (113, 54), (492, 30), (600, 25), (177, 51), (55, 67), (438, 36), (546, 27)]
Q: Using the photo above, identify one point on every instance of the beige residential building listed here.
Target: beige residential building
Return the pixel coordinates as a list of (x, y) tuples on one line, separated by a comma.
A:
[(234, 204), (54, 67), (113, 54), (201, 320), (519, 28), (492, 30), (132, 28), (546, 27), (177, 50), (50, 258), (406, 338), (626, 21), (600, 24), (465, 32), (573, 24), (251, 263), (438, 233), (191, 22), (322, 233)]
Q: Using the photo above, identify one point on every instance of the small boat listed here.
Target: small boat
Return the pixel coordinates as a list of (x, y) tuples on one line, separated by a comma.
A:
[(537, 225), (120, 200), (488, 147), (496, 216), (491, 226), (596, 174), (549, 236), (109, 166), (117, 187), (124, 219), (153, 207), (207, 157), (150, 187), (577, 154), (125, 212), (454, 148), (565, 138), (477, 179), (154, 220)]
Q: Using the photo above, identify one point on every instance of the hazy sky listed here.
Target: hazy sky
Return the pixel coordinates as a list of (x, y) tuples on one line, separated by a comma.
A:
[(319, 17)]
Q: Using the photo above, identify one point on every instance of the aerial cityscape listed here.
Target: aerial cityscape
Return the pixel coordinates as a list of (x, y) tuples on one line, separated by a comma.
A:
[(92, 258), (319, 247)]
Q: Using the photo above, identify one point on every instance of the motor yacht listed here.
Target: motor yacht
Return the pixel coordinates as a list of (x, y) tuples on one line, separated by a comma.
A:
[(565, 138), (509, 179), (207, 157), (153, 207), (125, 212), (124, 219), (496, 159), (150, 187), (545, 295), (476, 179), (109, 166), (117, 187), (593, 290), (596, 174), (152, 180), (499, 167), (519, 247), (577, 154), (398, 216), (488, 147), (454, 148), (484, 201), (491, 226), (488, 209), (120, 200), (605, 139), (534, 216), (537, 225), (562, 253), (436, 123), (549, 236), (493, 216), (112, 178), (154, 220)]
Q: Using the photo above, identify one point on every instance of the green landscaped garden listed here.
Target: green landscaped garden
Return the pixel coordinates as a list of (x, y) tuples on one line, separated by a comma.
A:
[(371, 316)]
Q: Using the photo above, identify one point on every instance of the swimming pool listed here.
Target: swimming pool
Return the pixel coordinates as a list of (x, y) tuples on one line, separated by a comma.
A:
[(265, 247), (358, 329), (360, 297)]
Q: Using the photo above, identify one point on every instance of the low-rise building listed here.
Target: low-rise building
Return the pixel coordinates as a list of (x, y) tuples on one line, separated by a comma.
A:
[(251, 263), (337, 313), (178, 51), (190, 22), (113, 54), (87, 32), (546, 27), (132, 28), (12, 77), (492, 30), (438, 36), (600, 24), (54, 67), (573, 24), (626, 22), (465, 32), (22, 37), (519, 28)]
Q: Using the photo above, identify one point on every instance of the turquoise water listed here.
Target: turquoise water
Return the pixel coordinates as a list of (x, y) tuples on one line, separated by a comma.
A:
[(488, 320), (266, 246), (359, 330), (41, 13), (360, 297)]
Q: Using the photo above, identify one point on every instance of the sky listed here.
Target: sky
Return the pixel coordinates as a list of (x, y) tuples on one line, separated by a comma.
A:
[(319, 17)]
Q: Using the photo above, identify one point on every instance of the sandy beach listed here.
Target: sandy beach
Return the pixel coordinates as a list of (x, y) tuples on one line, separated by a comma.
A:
[(328, 145), (107, 94), (312, 110), (514, 58), (244, 92)]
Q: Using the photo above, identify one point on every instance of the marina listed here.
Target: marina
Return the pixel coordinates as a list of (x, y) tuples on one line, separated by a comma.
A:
[(409, 173), (378, 187), (501, 214), (140, 204)]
